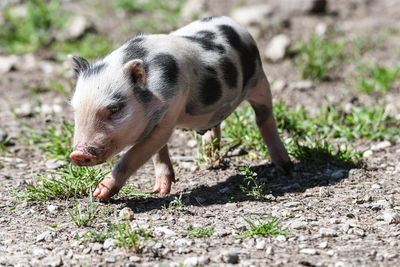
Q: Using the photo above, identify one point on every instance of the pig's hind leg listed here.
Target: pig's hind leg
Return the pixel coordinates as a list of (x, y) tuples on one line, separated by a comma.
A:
[(164, 171), (259, 98)]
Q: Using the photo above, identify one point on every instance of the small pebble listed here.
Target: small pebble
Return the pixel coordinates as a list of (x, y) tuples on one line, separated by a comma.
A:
[(126, 213)]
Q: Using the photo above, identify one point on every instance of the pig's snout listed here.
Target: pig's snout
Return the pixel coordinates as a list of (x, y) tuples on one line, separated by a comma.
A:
[(83, 159)]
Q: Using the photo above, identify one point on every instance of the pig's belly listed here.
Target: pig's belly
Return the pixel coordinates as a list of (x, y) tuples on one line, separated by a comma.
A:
[(194, 122), (203, 122)]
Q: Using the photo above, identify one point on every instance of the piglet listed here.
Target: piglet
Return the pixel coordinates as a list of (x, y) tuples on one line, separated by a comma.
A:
[(192, 78)]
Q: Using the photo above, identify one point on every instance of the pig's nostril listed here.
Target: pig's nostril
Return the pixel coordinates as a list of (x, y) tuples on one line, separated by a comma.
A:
[(87, 160)]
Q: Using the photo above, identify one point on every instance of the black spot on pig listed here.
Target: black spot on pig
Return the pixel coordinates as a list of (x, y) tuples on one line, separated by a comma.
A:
[(207, 35), (169, 67), (229, 72), (210, 88), (207, 19), (206, 40), (93, 70), (135, 49), (249, 56), (143, 95)]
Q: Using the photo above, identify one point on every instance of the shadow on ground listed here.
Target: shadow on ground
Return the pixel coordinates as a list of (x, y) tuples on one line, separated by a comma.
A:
[(306, 174)]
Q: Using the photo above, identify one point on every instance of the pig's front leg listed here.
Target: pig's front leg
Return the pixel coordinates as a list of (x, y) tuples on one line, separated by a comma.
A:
[(133, 159), (164, 171)]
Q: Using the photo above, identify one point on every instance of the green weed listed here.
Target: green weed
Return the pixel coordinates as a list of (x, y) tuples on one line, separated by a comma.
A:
[(79, 218), (166, 14), (241, 129), (68, 182), (27, 33), (90, 46), (250, 186), (318, 57), (198, 231), (56, 141), (128, 237), (93, 236), (321, 152), (376, 79), (174, 205), (265, 228)]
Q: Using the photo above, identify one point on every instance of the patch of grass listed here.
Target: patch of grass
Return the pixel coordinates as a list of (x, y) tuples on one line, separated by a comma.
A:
[(198, 231), (174, 205), (265, 228), (56, 141), (321, 152), (250, 186), (90, 46), (128, 237), (165, 14), (318, 57), (376, 78), (93, 236), (242, 129), (68, 182), (79, 218), (26, 33), (371, 123)]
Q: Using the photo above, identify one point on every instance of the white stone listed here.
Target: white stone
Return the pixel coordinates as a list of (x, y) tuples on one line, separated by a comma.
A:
[(381, 146), (252, 15), (297, 225), (321, 29), (126, 213), (309, 251), (109, 243), (281, 238), (367, 154), (53, 261), (77, 26), (278, 85), (8, 63), (323, 244), (261, 245), (391, 216), (276, 49), (52, 208), (304, 85)]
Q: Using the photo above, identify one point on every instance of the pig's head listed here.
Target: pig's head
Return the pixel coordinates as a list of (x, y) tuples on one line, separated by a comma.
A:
[(108, 117)]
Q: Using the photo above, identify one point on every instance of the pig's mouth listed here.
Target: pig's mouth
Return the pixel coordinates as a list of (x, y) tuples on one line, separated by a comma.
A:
[(84, 159)]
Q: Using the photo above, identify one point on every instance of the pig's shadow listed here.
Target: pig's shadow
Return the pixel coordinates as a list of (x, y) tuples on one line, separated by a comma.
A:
[(306, 174)]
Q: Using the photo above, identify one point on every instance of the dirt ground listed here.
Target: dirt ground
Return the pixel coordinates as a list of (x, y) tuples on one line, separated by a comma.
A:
[(335, 216)]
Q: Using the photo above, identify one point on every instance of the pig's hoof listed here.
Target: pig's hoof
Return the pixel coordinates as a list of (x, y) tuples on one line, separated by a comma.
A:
[(163, 184), (285, 168), (106, 188)]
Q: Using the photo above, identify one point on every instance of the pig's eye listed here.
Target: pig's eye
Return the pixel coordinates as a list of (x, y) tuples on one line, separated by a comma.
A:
[(114, 109)]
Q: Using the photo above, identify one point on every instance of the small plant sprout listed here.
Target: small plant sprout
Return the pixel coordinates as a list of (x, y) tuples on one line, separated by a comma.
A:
[(128, 237), (265, 228), (80, 218), (250, 186), (376, 78), (198, 231), (175, 204), (318, 57)]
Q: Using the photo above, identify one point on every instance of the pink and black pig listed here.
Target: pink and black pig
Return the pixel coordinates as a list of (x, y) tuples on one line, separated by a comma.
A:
[(192, 78)]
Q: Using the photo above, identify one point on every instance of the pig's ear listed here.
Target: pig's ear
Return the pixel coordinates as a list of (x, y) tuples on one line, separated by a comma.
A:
[(78, 64), (135, 70)]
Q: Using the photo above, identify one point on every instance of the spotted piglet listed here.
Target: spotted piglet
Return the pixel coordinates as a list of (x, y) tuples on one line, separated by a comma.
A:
[(192, 78)]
